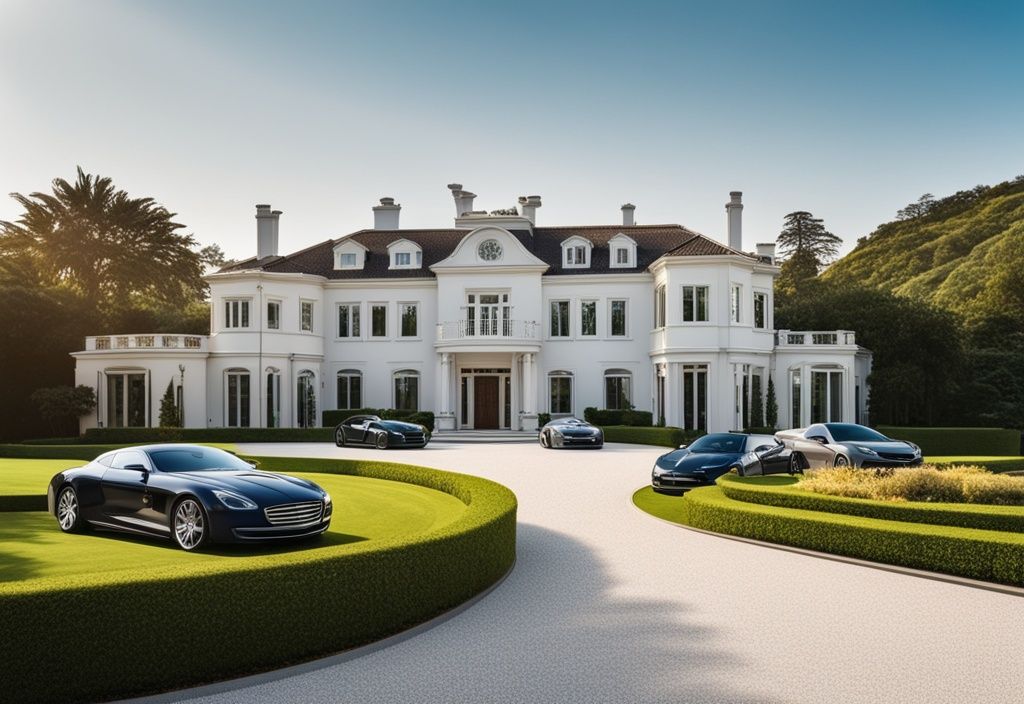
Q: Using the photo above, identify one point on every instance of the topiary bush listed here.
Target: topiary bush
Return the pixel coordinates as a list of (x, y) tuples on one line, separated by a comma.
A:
[(135, 436), (629, 416)]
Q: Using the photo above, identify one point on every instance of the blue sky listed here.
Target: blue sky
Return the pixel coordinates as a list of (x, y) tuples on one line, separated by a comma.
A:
[(849, 110)]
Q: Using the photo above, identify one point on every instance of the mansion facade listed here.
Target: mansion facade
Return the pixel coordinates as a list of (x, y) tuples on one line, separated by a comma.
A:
[(487, 324)]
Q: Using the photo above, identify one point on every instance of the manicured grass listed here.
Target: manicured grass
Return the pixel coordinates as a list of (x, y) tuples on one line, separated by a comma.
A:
[(30, 477), (80, 451), (32, 546), (993, 463)]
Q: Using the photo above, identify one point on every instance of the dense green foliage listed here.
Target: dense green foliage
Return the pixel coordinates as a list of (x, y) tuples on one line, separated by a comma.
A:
[(989, 555), (312, 602), (786, 492), (59, 404), (626, 416), (135, 436), (958, 441), (426, 418), (639, 435), (170, 415)]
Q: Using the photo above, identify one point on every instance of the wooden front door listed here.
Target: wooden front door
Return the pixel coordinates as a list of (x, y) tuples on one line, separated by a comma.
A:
[(485, 402)]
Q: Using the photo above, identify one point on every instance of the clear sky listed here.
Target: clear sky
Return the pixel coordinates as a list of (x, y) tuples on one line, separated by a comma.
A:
[(849, 110)]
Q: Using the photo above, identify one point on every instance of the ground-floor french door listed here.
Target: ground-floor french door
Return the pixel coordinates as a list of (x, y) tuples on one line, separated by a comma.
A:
[(126, 399), (485, 399)]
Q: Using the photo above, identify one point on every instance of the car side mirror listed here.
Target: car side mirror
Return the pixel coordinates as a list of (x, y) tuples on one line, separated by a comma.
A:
[(764, 448), (683, 446), (138, 468), (820, 439)]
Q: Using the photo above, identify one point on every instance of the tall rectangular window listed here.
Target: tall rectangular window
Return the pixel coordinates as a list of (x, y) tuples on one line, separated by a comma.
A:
[(379, 320), (695, 397), (348, 320), (407, 391), (407, 313), (236, 313), (273, 315), (617, 391), (559, 318), (827, 396), (795, 399), (618, 318), (350, 389), (659, 306), (588, 318), (734, 303), (238, 399), (761, 310), (561, 393), (621, 255), (695, 304), (306, 316)]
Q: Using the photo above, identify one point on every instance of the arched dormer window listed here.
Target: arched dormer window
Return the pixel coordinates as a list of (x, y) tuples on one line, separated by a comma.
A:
[(349, 254), (405, 254), (576, 253), (622, 252)]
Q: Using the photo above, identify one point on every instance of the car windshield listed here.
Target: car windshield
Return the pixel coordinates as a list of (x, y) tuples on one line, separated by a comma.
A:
[(393, 425), (719, 442), (849, 432), (196, 459), (756, 441)]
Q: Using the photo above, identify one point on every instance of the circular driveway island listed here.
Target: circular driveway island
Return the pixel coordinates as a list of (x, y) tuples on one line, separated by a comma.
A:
[(607, 604)]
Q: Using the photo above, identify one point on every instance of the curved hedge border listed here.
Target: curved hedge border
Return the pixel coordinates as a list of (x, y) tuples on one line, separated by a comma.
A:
[(655, 435), (1004, 518), (239, 617), (978, 554), (22, 502)]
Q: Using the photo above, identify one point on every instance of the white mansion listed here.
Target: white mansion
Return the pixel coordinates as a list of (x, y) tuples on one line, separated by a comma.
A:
[(487, 324)]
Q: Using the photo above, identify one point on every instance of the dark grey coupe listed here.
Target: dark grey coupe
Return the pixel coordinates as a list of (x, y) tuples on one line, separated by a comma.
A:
[(570, 432), (190, 494), (373, 432)]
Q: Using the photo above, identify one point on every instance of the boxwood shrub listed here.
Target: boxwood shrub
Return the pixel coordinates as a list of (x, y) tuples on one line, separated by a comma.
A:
[(978, 554), (56, 452), (22, 502), (262, 613), (663, 436), (959, 441), (1005, 518), (426, 418), (622, 417)]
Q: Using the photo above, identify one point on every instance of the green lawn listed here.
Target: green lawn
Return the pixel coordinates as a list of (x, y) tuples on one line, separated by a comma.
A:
[(993, 463), (32, 546), (30, 477)]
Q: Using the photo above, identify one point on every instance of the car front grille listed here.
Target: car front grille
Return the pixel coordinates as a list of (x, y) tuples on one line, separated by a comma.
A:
[(898, 456), (294, 514), (414, 437)]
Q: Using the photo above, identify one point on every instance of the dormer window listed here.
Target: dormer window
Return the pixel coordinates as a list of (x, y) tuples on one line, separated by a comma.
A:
[(349, 254), (404, 254), (347, 260), (576, 253), (622, 252)]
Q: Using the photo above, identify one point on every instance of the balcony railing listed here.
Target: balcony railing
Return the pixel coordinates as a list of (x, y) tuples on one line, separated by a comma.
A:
[(488, 330), (114, 343), (791, 338)]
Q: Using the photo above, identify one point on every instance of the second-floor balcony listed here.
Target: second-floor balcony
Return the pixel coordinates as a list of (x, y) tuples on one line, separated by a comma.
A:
[(797, 338), (495, 330), (150, 341)]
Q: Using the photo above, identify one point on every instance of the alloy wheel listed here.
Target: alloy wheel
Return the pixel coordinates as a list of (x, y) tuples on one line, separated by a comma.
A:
[(67, 509), (189, 524), (339, 437), (841, 461), (382, 442)]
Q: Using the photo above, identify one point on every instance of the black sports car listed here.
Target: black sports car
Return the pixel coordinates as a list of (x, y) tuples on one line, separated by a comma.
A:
[(711, 456), (193, 495), (382, 434), (570, 432)]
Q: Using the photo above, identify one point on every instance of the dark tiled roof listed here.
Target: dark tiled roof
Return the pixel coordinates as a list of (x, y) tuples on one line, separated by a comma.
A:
[(653, 241)]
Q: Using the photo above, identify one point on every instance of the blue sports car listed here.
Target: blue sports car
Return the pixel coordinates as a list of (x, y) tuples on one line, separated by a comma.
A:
[(190, 494), (711, 456)]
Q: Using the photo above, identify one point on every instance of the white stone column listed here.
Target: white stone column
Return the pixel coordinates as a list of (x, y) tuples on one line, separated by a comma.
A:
[(529, 391), (445, 417), (805, 395)]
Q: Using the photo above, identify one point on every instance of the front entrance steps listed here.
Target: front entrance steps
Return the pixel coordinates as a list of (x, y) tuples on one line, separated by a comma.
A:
[(483, 436)]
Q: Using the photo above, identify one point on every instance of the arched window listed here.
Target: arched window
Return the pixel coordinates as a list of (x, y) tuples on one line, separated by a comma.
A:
[(407, 390), (576, 253), (618, 389), (305, 400), (560, 392), (350, 389)]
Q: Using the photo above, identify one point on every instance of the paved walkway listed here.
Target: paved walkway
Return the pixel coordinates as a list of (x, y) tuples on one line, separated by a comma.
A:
[(607, 604)]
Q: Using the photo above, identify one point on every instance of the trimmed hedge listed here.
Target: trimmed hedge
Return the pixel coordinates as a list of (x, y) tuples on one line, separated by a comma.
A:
[(136, 436), (1004, 518), (663, 436), (56, 452), (426, 418), (255, 614), (629, 417), (22, 502), (959, 441), (978, 554)]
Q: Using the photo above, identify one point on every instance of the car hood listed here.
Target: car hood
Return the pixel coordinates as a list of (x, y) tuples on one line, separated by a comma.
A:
[(576, 431), (262, 487), (686, 462), (402, 427), (890, 446)]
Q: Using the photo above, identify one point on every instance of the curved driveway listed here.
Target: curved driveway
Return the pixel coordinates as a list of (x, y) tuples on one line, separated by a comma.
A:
[(607, 604)]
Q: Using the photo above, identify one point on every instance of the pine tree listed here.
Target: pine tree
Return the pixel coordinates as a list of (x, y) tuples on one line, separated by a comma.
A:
[(803, 233), (757, 409), (169, 416), (771, 412)]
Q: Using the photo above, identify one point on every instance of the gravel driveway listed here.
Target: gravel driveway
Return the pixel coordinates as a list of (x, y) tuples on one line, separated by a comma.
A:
[(607, 604)]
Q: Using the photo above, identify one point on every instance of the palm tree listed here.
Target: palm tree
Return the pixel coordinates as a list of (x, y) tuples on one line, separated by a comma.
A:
[(98, 241)]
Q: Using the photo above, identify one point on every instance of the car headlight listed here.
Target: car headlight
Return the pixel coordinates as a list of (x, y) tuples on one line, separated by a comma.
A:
[(916, 448), (327, 499), (234, 501), (555, 431), (865, 450)]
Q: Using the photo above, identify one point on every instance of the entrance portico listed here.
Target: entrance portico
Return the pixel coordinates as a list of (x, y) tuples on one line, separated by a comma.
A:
[(487, 390)]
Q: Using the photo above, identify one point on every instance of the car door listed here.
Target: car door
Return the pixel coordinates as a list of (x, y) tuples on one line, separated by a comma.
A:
[(356, 432), (126, 492), (815, 447), (775, 460)]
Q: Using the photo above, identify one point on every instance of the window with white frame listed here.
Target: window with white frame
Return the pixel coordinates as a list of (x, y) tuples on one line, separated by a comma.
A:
[(405, 254), (617, 318), (378, 320), (695, 304), (576, 253), (273, 315), (305, 400), (621, 252), (735, 296), (659, 306), (348, 320), (618, 389), (350, 389), (695, 397), (588, 318), (560, 319), (407, 390), (236, 389), (760, 310), (621, 256), (349, 254), (236, 312), (560, 393), (407, 318), (403, 259), (348, 260), (306, 316)]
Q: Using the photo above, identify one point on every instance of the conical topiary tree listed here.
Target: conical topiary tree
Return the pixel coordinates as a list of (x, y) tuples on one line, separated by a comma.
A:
[(771, 411), (169, 415)]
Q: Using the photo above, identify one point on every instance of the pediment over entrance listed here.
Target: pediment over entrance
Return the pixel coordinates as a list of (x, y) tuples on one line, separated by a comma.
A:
[(490, 247)]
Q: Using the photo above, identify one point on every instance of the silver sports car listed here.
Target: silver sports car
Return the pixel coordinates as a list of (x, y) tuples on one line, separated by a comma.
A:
[(847, 444)]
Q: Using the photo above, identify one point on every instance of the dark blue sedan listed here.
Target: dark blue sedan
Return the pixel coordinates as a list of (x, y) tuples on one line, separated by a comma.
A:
[(711, 456), (190, 494)]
